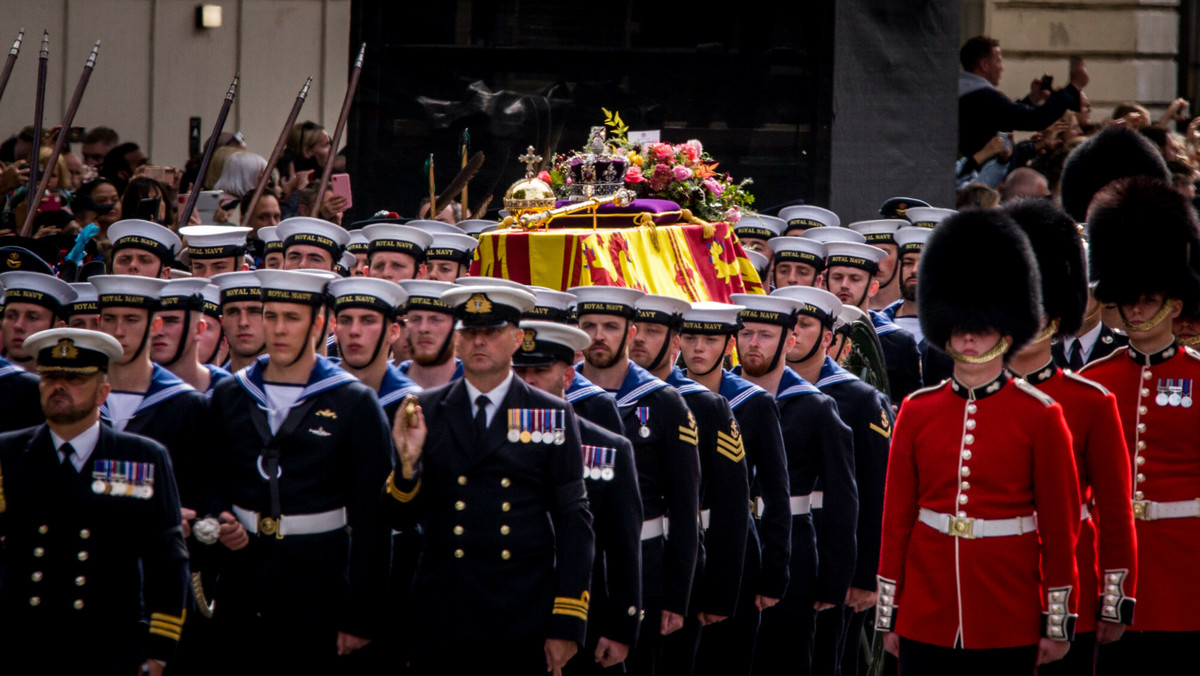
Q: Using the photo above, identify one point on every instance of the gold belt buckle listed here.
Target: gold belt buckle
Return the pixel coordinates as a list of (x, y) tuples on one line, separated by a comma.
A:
[(269, 526), (961, 527), (1141, 510)]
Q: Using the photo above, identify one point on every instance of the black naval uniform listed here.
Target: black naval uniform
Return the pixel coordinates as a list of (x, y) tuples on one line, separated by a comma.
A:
[(819, 446), (616, 506), (90, 583), (724, 518), (282, 599), (868, 414), (668, 465), (20, 401), (728, 647), (591, 402), (1107, 342), (508, 539), (901, 356)]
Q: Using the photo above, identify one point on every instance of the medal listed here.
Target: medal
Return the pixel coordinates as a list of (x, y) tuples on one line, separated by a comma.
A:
[(143, 491), (610, 456), (1175, 399), (607, 474), (595, 474), (560, 436), (99, 487), (1161, 399), (514, 425), (514, 435), (643, 416), (1186, 400), (536, 434), (525, 436), (644, 432)]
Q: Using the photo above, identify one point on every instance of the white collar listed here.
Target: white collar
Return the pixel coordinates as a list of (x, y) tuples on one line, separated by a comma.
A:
[(1087, 342), (496, 396), (84, 444)]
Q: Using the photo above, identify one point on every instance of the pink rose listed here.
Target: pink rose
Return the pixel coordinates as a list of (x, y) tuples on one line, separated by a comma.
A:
[(634, 175), (713, 187), (545, 176), (690, 151), (682, 173), (662, 151), (732, 215), (661, 177)]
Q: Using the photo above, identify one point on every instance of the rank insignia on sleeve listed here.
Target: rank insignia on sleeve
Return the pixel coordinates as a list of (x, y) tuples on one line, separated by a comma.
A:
[(327, 413), (884, 428)]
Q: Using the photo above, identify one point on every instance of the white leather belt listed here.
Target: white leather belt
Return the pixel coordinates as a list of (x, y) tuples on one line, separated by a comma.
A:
[(297, 524), (965, 527), (800, 504), (705, 515), (652, 528), (818, 500), (1084, 513), (1148, 510)]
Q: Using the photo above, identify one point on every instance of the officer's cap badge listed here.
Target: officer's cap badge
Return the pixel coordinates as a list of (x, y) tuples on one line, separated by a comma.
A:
[(65, 349), (528, 344), (478, 304)]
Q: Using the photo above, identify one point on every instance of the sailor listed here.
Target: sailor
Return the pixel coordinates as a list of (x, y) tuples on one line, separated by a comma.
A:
[(396, 252), (272, 248), (214, 249), (241, 318), (755, 231), (449, 255), (304, 451), (1143, 241), (431, 336), (799, 261), (311, 243), (804, 217), (183, 319), (33, 301), (882, 234), (545, 361), (359, 247), (819, 447), (663, 431), (970, 581), (500, 494), (93, 549), (706, 339), (724, 488), (868, 414), (84, 311), (143, 249), (1101, 457)]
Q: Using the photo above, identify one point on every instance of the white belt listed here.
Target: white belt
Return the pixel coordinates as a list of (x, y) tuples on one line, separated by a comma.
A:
[(705, 515), (1148, 510), (652, 528), (965, 527), (800, 504), (1084, 513), (818, 499), (297, 524)]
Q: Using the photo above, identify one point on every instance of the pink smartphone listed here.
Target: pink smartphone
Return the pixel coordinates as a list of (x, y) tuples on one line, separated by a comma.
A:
[(339, 184)]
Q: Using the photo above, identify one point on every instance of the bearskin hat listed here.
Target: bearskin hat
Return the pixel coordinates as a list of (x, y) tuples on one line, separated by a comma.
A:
[(1061, 260), (1143, 238), (1116, 152), (977, 273)]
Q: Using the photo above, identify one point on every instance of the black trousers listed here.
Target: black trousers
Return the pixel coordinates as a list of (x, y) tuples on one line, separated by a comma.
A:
[(727, 648), (923, 659), (829, 640), (785, 638), (1149, 652), (1080, 659)]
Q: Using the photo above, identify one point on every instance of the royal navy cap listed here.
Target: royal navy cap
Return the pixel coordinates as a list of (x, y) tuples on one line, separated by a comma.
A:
[(269, 236), (881, 231), (759, 261), (928, 217), (426, 294), (712, 318), (133, 233), (777, 310), (358, 243), (64, 350), (658, 309), (196, 293), (128, 291), (487, 306), (548, 343), (313, 232), (215, 241), (799, 250), (238, 287), (451, 246), (759, 226), (854, 255), (550, 305), (834, 234), (399, 238), (477, 226), (912, 239), (804, 217), (434, 227), (86, 302), (48, 291), (305, 287), (818, 303), (368, 293), (345, 264), (606, 300)]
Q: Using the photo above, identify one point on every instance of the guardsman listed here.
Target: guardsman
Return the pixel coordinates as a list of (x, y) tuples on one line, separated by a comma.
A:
[(663, 431), (1141, 233), (396, 252), (799, 261), (802, 218), (272, 248), (500, 493), (431, 337), (868, 414), (241, 318), (724, 488), (706, 338), (977, 567), (545, 361), (182, 319), (84, 311), (449, 255), (818, 446), (311, 243), (1101, 457), (882, 234), (95, 568), (215, 249), (33, 301), (304, 451), (143, 249)]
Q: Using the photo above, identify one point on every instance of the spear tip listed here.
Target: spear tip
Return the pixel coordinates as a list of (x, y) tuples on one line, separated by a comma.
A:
[(361, 51)]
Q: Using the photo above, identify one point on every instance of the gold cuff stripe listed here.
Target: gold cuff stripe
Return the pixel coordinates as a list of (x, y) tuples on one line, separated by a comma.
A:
[(170, 619), (579, 614), (165, 626), (571, 602), (399, 495), (174, 636)]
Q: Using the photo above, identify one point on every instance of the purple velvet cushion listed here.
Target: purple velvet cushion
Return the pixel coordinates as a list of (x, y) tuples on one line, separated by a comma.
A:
[(664, 212)]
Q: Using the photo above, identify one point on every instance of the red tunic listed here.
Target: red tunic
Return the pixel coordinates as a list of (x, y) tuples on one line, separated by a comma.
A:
[(1166, 458), (998, 451), (1102, 460)]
